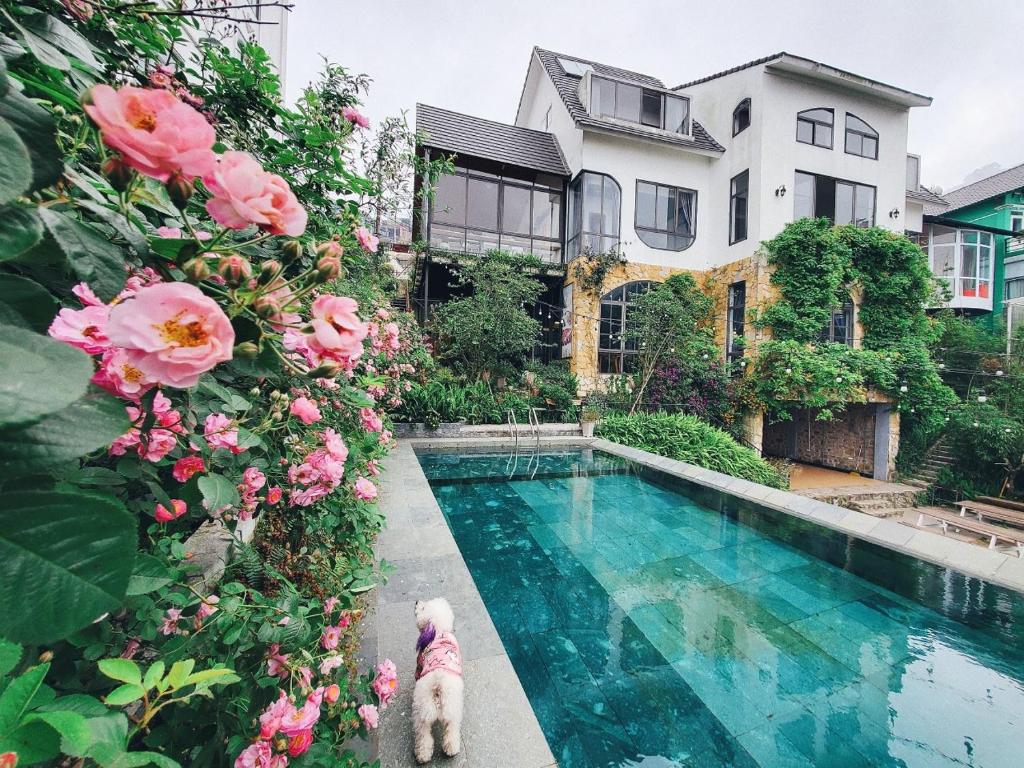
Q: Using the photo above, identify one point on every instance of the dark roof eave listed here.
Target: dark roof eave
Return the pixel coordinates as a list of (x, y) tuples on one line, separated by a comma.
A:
[(612, 129), (957, 224)]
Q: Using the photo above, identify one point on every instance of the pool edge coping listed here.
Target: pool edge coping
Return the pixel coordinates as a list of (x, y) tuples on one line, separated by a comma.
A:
[(995, 567)]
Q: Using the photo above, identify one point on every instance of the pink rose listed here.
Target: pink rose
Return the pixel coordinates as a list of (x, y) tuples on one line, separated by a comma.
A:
[(274, 495), (179, 332), (276, 661), (300, 742), (119, 374), (82, 328), (365, 490), (169, 233), (220, 434), (301, 719), (353, 116), (329, 639), (187, 466), (330, 664), (337, 329), (253, 479), (207, 608), (373, 468), (86, 296), (305, 410), (332, 693), (164, 515), (257, 755), (369, 715), (335, 445), (156, 133), (270, 720), (244, 194), (170, 625), (370, 420), (368, 241), (330, 604), (385, 684)]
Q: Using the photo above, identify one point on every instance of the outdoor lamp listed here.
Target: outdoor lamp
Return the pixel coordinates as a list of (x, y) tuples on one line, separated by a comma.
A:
[(780, 191), (894, 213)]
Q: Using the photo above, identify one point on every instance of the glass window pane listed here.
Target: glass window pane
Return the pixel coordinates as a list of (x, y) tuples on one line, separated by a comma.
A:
[(602, 97), (592, 203), (864, 214), (627, 102), (546, 213), (822, 135), (913, 172), (820, 115), (943, 235), (482, 207), (611, 208), (481, 242), (844, 203), (870, 147), (645, 203), (448, 238), (449, 203), (804, 131), (684, 212), (663, 211), (515, 244), (969, 236), (853, 144), (516, 210), (803, 196), (677, 112), (1014, 269), (650, 113), (969, 261)]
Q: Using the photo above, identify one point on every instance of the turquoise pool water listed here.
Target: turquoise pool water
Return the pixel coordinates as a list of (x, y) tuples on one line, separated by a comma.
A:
[(657, 623)]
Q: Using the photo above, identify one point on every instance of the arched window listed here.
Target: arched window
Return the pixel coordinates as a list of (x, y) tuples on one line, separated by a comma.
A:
[(814, 126), (616, 352), (861, 138), (840, 327), (741, 117), (595, 202)]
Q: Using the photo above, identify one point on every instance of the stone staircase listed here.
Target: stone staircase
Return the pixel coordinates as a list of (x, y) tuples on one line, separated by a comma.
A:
[(878, 499), (935, 460)]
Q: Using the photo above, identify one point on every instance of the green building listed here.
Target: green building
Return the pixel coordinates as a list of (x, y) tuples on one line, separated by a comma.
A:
[(974, 237)]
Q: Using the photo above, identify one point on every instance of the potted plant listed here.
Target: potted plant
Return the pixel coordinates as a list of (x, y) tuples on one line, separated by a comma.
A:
[(589, 416)]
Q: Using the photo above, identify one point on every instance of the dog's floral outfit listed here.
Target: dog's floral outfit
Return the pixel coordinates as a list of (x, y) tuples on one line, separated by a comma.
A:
[(441, 653)]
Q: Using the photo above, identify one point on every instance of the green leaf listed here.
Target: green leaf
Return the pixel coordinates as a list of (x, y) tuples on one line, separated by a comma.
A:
[(92, 256), (75, 736), (4, 82), (25, 303), (40, 375), (99, 476), (68, 555), (212, 676), (16, 697), (180, 671), (91, 422), (15, 165), (153, 674), (125, 227), (122, 670), (61, 35), (37, 131), (10, 655), (47, 54), (150, 574), (20, 229), (87, 706), (124, 694), (218, 492), (34, 742)]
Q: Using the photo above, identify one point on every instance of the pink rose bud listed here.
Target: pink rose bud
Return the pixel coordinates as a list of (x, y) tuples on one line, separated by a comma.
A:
[(247, 350), (269, 270), (328, 369), (292, 250), (118, 173), (196, 269), (179, 189), (234, 269), (267, 307), (164, 515), (330, 248), (332, 693), (328, 268)]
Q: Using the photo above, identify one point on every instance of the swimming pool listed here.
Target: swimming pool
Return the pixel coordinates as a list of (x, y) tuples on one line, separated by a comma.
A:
[(655, 622)]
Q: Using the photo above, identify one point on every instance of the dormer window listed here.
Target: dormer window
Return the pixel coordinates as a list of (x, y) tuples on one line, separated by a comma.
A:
[(814, 126), (636, 104), (741, 117), (861, 138), (574, 68)]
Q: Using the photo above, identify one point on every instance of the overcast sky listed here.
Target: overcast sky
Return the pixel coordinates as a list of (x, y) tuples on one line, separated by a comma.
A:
[(472, 56)]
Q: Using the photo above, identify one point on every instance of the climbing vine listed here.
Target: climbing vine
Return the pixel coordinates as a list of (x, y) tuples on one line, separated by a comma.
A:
[(591, 269)]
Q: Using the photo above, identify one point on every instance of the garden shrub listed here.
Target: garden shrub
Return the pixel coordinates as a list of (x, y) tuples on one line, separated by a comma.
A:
[(178, 350), (687, 438)]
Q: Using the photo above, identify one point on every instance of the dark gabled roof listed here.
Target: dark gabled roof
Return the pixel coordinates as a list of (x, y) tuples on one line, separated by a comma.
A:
[(996, 184), (925, 195), (568, 88), (476, 137)]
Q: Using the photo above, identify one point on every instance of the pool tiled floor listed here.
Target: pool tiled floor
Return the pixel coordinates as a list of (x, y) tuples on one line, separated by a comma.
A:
[(649, 629)]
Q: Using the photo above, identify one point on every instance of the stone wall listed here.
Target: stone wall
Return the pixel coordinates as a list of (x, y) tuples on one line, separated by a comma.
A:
[(845, 443)]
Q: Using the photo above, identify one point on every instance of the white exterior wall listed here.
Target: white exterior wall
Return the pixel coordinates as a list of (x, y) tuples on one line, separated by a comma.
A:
[(627, 160), (913, 220), (783, 155), (539, 94)]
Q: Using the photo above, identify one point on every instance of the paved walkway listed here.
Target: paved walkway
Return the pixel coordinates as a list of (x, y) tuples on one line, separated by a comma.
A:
[(804, 476), (499, 729)]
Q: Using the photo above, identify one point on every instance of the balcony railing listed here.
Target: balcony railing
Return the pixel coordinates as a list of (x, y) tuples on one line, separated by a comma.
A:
[(1015, 245)]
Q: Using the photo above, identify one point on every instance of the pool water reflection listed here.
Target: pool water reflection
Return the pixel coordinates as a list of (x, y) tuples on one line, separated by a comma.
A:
[(665, 626)]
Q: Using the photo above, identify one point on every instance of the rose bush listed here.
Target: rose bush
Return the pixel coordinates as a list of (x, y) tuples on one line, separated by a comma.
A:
[(191, 340)]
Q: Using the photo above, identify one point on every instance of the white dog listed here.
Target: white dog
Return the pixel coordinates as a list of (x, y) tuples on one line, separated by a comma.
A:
[(437, 697)]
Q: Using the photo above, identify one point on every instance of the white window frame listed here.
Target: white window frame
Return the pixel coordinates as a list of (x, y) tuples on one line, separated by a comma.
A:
[(960, 285), (1019, 226)]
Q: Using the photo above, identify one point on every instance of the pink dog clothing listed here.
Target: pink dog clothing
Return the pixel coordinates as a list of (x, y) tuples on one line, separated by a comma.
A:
[(442, 653)]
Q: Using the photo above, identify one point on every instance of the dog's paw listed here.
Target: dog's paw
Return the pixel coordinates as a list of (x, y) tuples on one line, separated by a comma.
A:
[(451, 743), (422, 757)]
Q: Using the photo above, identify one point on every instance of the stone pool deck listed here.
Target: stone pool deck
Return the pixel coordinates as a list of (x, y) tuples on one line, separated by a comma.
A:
[(500, 728)]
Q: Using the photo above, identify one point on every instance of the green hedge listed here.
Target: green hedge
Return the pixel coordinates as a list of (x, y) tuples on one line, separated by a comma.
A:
[(687, 438)]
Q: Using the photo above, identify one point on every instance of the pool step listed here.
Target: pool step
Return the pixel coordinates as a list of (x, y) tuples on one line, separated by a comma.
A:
[(880, 500)]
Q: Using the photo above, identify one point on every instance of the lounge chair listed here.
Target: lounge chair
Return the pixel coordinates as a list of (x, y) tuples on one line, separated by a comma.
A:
[(993, 533)]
